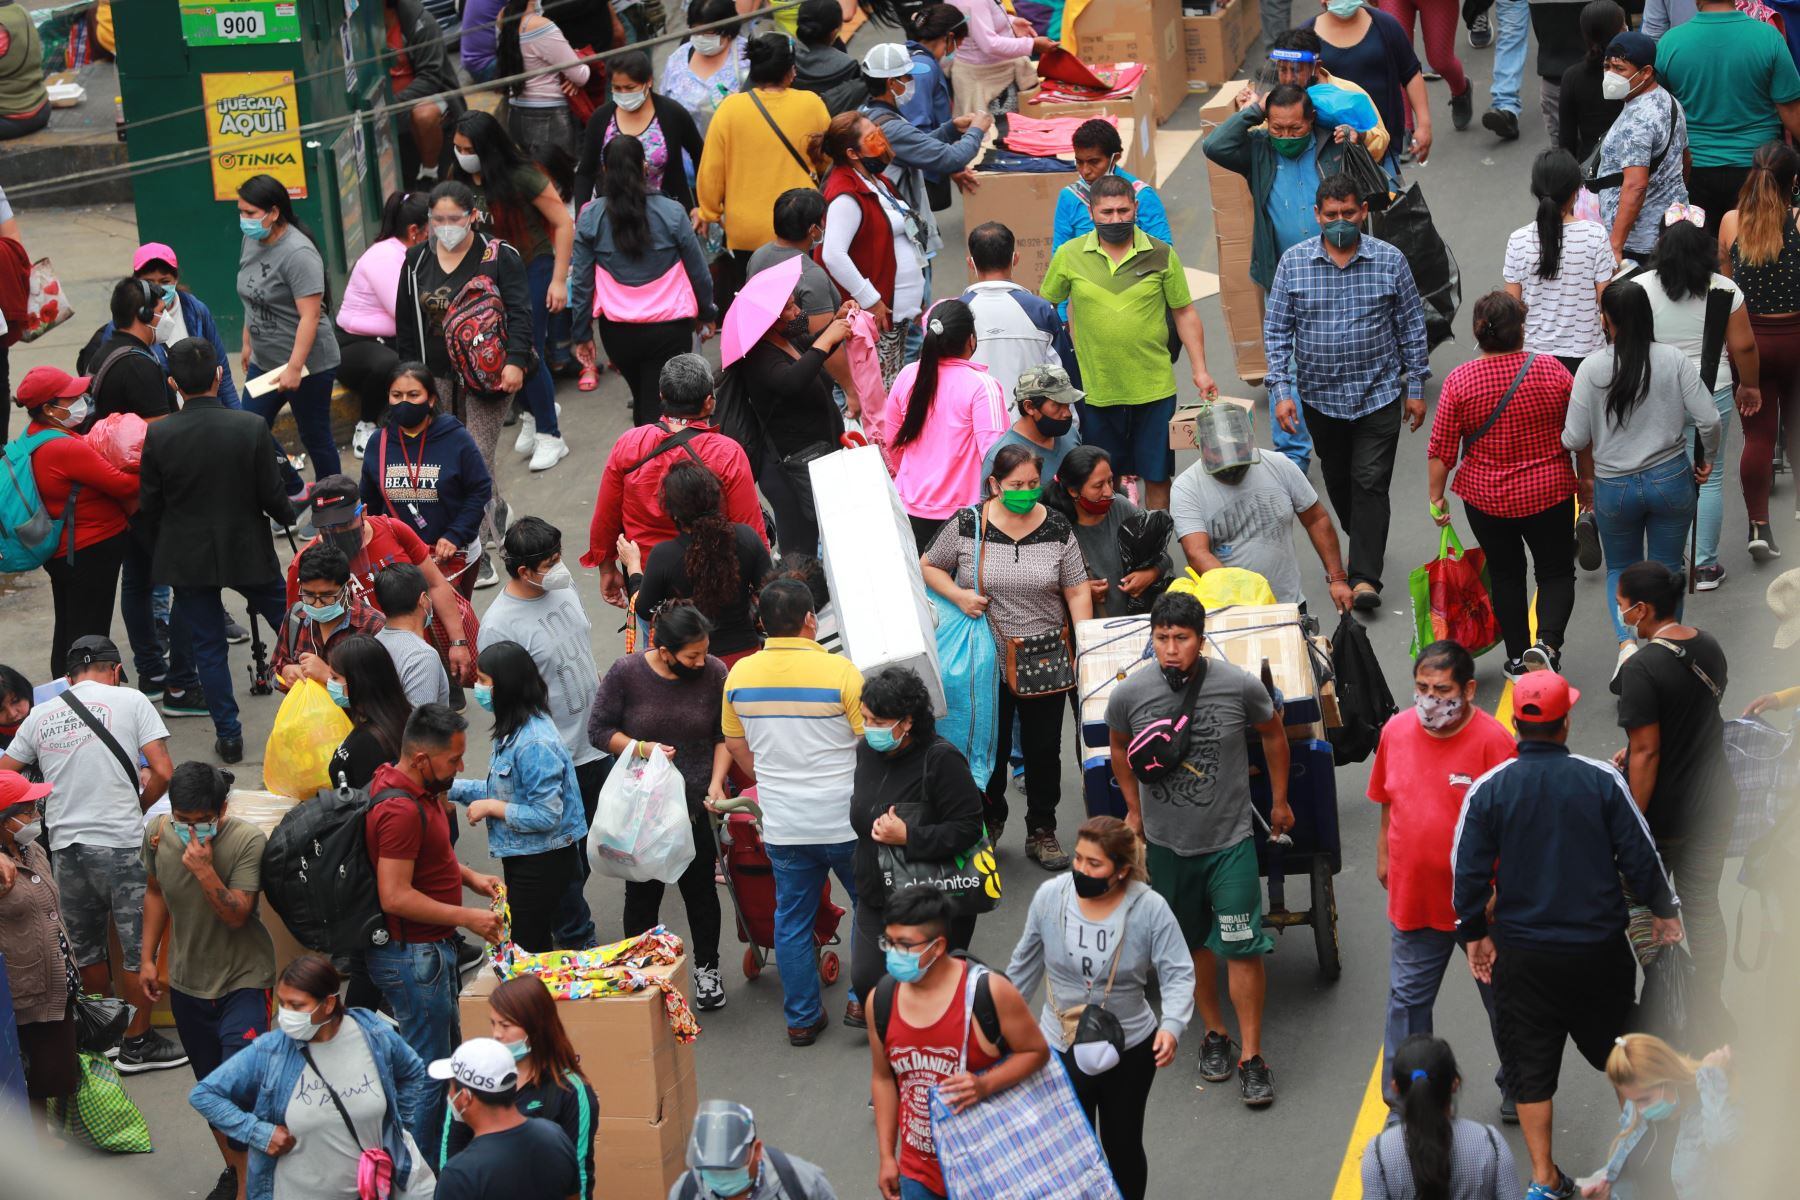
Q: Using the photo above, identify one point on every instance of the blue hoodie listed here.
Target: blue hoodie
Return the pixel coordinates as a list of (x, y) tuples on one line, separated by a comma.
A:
[(453, 484), (199, 321)]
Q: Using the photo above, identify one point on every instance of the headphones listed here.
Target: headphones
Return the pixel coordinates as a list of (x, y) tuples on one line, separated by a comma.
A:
[(147, 310)]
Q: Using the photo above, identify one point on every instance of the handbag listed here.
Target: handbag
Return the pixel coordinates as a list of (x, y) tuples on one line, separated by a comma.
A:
[(1597, 183), (1160, 749), (375, 1167), (1090, 1026), (971, 879), (796, 468), (1041, 664)]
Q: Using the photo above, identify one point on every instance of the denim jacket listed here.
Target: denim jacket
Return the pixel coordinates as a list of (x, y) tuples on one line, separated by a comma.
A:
[(1702, 1132), (199, 321), (532, 773), (247, 1097)]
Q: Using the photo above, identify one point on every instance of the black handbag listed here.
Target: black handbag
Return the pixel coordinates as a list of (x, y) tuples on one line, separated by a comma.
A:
[(1091, 1022), (971, 879)]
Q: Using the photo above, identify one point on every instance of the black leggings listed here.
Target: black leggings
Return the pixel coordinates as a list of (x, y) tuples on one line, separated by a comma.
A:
[(1040, 737), (868, 964), (1114, 1102), (644, 900), (366, 365), (535, 887), (83, 587), (639, 352), (1551, 536), (796, 517)]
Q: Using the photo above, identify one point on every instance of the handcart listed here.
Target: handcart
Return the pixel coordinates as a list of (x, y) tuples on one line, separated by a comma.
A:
[(750, 879), (1312, 849)]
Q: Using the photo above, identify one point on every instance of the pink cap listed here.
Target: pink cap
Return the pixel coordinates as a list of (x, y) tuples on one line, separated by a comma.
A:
[(153, 252)]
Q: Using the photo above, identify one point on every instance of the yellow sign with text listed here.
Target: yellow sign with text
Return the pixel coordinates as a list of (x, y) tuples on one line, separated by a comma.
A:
[(253, 128)]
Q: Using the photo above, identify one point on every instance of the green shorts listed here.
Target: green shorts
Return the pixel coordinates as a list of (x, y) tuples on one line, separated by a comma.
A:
[(1217, 897)]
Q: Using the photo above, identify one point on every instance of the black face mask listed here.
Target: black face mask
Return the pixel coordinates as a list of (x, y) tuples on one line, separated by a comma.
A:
[(349, 541), (411, 413), (1117, 233), (1233, 475), (1175, 678), (683, 670), (1090, 887), (798, 331), (1050, 427)]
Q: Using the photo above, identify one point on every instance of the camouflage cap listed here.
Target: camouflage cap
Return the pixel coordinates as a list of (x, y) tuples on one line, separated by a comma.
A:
[(1046, 383)]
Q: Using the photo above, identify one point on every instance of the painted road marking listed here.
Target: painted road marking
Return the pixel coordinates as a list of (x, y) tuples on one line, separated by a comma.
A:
[(1172, 147), (1369, 1120)]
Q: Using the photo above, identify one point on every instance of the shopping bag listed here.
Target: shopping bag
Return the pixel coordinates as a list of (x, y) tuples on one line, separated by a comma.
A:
[(100, 1114), (1364, 701), (641, 829), (1763, 768), (308, 730), (46, 306), (1671, 1006), (100, 1022), (1451, 599), (119, 439), (969, 664), (1407, 226)]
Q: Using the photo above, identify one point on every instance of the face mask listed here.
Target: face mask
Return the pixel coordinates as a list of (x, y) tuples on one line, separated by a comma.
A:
[(520, 1050), (797, 331), (1090, 887), (28, 833), (1340, 233), (734, 1182), (165, 327), (349, 541), (206, 831), (557, 578), (1051, 427), (881, 738), (906, 966), (456, 1113), (1115, 233), (1175, 677), (1615, 87), (323, 614), (1624, 620), (297, 1025), (708, 44), (484, 696), (683, 671), (335, 689), (1098, 508), (1438, 712), (1291, 147), (630, 101), (470, 163), (907, 91), (79, 409), (1662, 1110), (876, 150), (1343, 9), (1020, 500), (170, 299), (450, 236), (253, 228), (409, 413), (1233, 475)]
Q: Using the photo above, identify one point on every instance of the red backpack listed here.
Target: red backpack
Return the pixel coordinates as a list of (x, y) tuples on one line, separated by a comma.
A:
[(475, 334)]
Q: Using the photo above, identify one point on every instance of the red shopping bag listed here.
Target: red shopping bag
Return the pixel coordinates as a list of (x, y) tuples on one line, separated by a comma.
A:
[(1451, 599)]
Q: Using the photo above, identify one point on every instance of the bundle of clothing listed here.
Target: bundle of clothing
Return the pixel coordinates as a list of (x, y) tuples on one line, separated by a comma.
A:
[(618, 969), (1034, 143), (1111, 81)]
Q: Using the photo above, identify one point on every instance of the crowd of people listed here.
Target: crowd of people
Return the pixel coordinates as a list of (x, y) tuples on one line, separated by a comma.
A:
[(769, 184)]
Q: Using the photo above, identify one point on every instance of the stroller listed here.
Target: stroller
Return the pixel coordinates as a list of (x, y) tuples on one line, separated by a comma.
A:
[(751, 881)]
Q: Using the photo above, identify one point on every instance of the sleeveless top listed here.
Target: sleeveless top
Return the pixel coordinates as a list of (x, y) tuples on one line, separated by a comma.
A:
[(921, 1059), (1772, 287)]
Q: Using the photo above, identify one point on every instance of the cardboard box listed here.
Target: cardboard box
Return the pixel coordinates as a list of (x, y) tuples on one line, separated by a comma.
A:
[(644, 1157), (1107, 649), (631, 1055), (1216, 43), (1182, 432), (1234, 220), (1248, 634), (1146, 31)]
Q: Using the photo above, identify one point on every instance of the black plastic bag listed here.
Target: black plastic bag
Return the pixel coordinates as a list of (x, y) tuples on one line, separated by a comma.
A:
[(1364, 701), (1670, 1003), (1372, 183), (100, 1022), (1144, 546), (1406, 225)]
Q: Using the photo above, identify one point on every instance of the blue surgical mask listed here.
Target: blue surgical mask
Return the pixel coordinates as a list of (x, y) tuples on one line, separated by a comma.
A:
[(252, 227), (335, 689), (169, 297), (906, 966), (484, 696), (1343, 9), (1624, 620), (880, 737), (725, 1182), (1662, 1110), (205, 831), (520, 1050), (324, 614)]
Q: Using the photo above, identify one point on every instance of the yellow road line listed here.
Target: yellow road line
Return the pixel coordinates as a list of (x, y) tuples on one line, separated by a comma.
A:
[(1369, 1119), (1503, 711)]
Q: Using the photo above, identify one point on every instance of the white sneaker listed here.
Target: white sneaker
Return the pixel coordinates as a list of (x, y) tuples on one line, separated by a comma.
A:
[(709, 989), (359, 441), (528, 438), (549, 452)]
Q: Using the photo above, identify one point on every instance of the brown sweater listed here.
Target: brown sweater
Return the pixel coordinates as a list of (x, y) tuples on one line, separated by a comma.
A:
[(31, 938)]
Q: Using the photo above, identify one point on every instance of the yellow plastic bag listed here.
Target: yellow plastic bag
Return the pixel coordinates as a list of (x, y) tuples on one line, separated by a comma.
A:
[(1225, 587), (308, 730)]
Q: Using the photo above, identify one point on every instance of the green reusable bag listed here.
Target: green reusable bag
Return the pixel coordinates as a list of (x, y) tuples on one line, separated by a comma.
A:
[(1451, 599), (100, 1114)]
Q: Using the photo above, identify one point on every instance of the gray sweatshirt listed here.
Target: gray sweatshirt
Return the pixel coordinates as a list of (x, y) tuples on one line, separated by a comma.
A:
[(1656, 430), (1058, 940), (1660, 16)]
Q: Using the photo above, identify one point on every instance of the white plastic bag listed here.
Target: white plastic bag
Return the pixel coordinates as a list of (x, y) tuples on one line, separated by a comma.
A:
[(641, 828)]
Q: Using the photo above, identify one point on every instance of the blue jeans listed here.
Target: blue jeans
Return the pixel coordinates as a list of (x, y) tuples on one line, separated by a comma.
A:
[(912, 1189), (1512, 21), (311, 402), (202, 612), (914, 341), (1417, 961), (419, 981), (1297, 446), (540, 390), (137, 607), (1644, 515), (801, 873), (1712, 493)]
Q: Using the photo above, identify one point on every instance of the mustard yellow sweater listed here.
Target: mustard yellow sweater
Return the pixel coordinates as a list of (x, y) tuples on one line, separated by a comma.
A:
[(745, 168)]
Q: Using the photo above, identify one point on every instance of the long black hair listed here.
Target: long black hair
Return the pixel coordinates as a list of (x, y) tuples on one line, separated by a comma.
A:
[(377, 698), (402, 211), (501, 159), (1601, 20), (1555, 176), (1686, 258), (949, 333), (508, 58), (1627, 308), (1425, 1078), (692, 498), (627, 201), (519, 690), (269, 193), (1077, 467)]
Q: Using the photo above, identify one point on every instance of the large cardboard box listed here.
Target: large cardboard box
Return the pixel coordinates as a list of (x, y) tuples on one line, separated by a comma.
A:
[(1234, 219), (1146, 31), (1216, 43), (643, 1158), (1183, 426)]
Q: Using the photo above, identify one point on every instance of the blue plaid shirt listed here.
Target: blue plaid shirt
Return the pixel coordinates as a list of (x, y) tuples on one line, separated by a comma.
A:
[(1340, 338)]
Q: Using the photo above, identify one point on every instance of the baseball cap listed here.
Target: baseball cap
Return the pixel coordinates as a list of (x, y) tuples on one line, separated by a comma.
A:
[(153, 252), (890, 60), (724, 1131), (44, 384), (1045, 382), (1638, 49), (335, 501), (15, 790), (1543, 696), (93, 648), (480, 1064)]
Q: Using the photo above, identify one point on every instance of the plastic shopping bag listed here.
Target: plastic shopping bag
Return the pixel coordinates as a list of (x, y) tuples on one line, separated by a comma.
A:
[(969, 663), (641, 829), (1407, 226), (1451, 600), (46, 306), (119, 439), (308, 730), (100, 1114)]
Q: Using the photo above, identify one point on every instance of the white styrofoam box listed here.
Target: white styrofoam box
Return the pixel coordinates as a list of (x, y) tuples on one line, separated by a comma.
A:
[(872, 565), (1106, 650)]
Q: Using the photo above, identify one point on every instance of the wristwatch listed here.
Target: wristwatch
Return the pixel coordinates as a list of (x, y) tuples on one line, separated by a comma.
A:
[(459, 642)]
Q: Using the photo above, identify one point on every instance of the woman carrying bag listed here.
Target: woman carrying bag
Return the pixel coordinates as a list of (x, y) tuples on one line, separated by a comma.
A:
[(35, 946)]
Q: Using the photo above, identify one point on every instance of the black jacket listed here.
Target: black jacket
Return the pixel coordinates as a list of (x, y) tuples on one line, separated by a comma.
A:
[(421, 274), (132, 379), (208, 488), (679, 131), (930, 785)]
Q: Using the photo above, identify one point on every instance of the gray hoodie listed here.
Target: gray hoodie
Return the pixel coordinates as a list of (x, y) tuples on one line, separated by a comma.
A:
[(1152, 939)]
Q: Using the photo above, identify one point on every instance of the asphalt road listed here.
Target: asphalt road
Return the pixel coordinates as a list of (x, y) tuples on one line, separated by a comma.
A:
[(1322, 1039)]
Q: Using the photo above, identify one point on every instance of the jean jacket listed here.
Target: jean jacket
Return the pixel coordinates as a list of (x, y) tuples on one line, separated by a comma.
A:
[(1706, 1129), (532, 774)]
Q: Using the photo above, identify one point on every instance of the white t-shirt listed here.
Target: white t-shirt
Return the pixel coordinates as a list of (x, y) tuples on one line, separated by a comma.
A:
[(1562, 315), (554, 630), (92, 802), (1682, 323)]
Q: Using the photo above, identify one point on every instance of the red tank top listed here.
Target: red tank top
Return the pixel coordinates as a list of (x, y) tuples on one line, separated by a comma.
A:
[(921, 1059)]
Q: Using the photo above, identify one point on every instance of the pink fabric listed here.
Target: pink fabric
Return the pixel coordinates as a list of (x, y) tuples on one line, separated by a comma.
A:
[(1046, 135), (941, 471), (668, 298), (865, 372), (119, 439), (1120, 80), (368, 307), (991, 39)]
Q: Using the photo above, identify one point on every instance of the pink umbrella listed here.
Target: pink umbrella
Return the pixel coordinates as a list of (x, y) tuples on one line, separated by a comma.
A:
[(757, 307)]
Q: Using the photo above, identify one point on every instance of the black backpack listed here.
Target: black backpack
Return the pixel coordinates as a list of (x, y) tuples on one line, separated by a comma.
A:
[(319, 877), (736, 419), (784, 1171), (987, 1017), (1362, 694)]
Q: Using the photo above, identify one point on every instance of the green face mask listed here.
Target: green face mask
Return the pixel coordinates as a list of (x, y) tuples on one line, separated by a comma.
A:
[(1291, 147), (1020, 500)]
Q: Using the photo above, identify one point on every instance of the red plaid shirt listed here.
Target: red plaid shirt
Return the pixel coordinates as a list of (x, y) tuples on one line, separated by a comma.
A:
[(1519, 467)]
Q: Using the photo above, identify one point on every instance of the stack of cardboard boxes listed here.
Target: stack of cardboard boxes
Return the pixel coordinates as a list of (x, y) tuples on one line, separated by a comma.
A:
[(1217, 42), (1234, 217), (1145, 31)]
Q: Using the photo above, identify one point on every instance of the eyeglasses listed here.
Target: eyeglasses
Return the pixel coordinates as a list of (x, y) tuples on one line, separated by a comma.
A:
[(321, 599), (886, 943)]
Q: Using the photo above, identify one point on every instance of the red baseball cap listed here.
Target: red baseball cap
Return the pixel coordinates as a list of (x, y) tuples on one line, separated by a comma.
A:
[(44, 384), (15, 790), (153, 252), (1543, 696)]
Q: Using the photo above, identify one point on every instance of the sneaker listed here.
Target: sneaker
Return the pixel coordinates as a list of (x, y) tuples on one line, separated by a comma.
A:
[(468, 954), (1564, 1189), (1514, 668), (1541, 657), (486, 576), (1043, 849), (359, 440), (804, 1035), (1762, 545), (1462, 108), (1708, 579), (226, 1187), (709, 990), (1509, 1110), (855, 1016), (1481, 33), (1364, 598), (1256, 1083), (191, 703), (235, 634), (550, 451), (1503, 124), (150, 689), (527, 439), (1216, 1053), (229, 750), (149, 1052), (1588, 555)]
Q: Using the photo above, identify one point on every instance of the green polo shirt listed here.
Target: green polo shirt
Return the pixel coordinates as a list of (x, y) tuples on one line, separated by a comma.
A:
[(1729, 71), (1118, 313)]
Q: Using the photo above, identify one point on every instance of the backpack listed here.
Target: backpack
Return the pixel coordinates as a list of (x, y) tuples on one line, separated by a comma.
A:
[(784, 1171), (319, 876), (1364, 701), (736, 419), (15, 289), (475, 334), (987, 1017), (28, 533)]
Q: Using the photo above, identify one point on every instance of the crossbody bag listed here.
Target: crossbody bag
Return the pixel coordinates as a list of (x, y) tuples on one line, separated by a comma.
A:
[(1598, 183), (1499, 408), (1091, 1024), (799, 159), (1040, 664)]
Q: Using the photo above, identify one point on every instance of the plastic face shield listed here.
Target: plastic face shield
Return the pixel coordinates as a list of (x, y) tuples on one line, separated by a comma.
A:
[(1225, 437), (722, 1137)]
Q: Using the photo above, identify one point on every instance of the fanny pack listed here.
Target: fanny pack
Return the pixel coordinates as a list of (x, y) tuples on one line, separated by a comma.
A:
[(1158, 750), (374, 1168), (1096, 1038)]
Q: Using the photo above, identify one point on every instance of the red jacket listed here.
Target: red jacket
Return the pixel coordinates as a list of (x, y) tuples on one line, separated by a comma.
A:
[(108, 495), (872, 247), (630, 502)]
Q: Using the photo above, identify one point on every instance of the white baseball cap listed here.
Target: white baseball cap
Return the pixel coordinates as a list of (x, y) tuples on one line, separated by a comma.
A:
[(480, 1064), (891, 60)]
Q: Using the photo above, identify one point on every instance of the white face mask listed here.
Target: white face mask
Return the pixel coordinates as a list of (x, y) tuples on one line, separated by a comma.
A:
[(296, 1024), (1096, 1058), (557, 578), (906, 92), (1437, 712), (468, 162), (450, 236), (1616, 87), (630, 101), (166, 328), (79, 410), (708, 44)]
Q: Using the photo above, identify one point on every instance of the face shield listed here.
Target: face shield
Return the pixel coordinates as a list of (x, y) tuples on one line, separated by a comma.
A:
[(1227, 444), (723, 1134)]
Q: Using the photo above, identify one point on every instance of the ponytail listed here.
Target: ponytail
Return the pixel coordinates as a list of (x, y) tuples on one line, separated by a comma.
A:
[(1555, 176), (1763, 204), (1425, 1078), (949, 330)]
